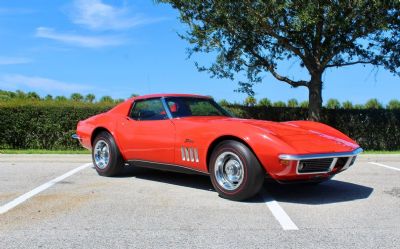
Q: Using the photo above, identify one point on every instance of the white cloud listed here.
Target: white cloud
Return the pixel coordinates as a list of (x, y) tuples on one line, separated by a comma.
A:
[(17, 81), (96, 15), (79, 40), (14, 60)]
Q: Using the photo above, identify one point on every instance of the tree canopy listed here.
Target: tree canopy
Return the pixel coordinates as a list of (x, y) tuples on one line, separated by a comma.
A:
[(255, 36)]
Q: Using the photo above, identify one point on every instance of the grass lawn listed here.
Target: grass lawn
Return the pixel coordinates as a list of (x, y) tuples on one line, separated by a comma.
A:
[(9, 151), (381, 152)]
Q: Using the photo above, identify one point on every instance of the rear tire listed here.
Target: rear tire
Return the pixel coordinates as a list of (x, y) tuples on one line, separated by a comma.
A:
[(235, 171), (106, 156)]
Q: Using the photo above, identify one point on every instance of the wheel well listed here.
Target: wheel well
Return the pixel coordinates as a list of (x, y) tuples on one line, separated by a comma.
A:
[(96, 132), (214, 144)]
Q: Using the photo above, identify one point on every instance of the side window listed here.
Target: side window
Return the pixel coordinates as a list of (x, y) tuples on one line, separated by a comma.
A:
[(151, 109), (178, 107)]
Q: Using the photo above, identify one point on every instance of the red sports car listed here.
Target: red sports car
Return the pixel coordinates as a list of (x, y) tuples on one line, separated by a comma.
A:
[(193, 134)]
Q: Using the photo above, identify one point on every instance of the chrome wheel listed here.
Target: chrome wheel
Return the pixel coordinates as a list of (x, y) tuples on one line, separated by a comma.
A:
[(228, 170), (101, 154)]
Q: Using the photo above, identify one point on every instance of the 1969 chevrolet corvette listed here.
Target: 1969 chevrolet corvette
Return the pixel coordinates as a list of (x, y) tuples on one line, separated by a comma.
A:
[(193, 134)]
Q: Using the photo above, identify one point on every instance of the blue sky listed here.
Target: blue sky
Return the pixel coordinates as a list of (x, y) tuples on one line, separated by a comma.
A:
[(122, 47)]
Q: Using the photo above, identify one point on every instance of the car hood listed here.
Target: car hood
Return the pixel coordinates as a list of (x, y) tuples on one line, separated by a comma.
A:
[(302, 139)]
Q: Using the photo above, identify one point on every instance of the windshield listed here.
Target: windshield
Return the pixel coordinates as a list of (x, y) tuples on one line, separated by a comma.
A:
[(189, 106)]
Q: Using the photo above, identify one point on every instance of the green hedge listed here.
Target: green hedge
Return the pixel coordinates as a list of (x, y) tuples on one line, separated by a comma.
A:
[(49, 125), (43, 125)]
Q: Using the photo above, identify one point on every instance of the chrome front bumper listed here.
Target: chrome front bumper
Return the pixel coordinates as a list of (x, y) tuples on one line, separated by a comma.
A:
[(317, 156), (312, 163), (76, 136)]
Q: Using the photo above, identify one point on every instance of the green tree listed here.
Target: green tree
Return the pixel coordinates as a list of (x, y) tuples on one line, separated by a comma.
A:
[(90, 98), (279, 104), (20, 94), (134, 95), (32, 95), (264, 102), (304, 104), (250, 101), (117, 101), (224, 102), (333, 104), (393, 104), (60, 98), (4, 96), (77, 97), (7, 95), (106, 99), (255, 36), (292, 103), (48, 97), (347, 105), (359, 106), (373, 104)]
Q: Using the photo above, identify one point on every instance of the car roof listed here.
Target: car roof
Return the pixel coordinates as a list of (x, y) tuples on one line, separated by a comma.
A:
[(159, 95)]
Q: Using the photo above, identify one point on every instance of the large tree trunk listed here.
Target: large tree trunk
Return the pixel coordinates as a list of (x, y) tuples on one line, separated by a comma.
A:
[(315, 98)]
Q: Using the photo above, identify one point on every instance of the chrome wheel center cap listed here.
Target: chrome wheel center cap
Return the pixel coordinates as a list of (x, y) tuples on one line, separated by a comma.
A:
[(232, 169)]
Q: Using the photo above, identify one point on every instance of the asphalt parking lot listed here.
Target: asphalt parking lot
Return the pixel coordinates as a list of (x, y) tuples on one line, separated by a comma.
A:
[(59, 201)]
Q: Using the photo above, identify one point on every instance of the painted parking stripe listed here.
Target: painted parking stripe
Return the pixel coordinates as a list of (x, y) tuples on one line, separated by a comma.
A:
[(280, 215), (385, 166), (10, 205)]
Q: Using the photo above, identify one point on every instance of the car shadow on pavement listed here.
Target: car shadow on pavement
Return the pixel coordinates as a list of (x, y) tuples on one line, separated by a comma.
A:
[(186, 180), (332, 191), (194, 181)]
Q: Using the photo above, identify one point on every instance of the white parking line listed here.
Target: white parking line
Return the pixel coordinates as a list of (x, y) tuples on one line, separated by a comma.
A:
[(280, 215), (10, 205), (385, 166)]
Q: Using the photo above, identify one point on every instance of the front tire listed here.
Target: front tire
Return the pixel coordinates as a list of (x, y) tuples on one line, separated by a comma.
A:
[(106, 156), (235, 171)]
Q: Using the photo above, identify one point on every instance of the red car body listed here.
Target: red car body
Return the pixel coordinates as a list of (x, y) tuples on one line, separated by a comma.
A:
[(283, 149)]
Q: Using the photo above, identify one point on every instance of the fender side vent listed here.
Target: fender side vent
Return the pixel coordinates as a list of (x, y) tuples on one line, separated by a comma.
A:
[(189, 154)]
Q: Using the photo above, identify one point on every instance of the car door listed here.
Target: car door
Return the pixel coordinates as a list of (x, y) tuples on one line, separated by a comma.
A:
[(147, 133)]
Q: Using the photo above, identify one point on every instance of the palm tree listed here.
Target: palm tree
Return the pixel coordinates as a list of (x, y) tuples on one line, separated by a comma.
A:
[(90, 98), (347, 105), (48, 97), (20, 94), (333, 104), (279, 104), (76, 97), (292, 103), (33, 96), (223, 102), (106, 99), (393, 104), (304, 104), (373, 104), (60, 98), (264, 102), (250, 101)]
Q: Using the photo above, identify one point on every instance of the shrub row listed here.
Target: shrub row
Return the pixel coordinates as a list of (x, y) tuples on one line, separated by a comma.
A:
[(49, 125), (43, 125)]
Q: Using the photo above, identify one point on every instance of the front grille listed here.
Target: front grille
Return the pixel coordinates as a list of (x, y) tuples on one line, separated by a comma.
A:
[(341, 162), (314, 165)]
